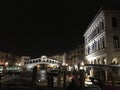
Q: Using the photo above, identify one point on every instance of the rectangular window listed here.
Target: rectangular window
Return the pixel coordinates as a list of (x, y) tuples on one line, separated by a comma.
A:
[(114, 22)]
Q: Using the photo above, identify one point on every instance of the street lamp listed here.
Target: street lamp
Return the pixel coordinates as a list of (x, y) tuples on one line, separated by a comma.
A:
[(19, 64), (82, 66), (6, 63), (64, 68)]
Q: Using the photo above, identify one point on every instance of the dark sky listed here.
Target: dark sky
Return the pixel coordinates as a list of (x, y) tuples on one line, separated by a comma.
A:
[(47, 27)]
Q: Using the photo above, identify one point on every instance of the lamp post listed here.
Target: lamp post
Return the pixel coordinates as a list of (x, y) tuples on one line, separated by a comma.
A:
[(64, 68)]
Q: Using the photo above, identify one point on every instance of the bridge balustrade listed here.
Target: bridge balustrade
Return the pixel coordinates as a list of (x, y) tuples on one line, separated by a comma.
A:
[(43, 60)]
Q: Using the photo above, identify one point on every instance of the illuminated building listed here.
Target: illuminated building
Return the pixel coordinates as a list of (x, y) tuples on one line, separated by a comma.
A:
[(2, 58), (102, 38), (22, 60), (12, 61), (7, 58), (58, 57), (75, 56)]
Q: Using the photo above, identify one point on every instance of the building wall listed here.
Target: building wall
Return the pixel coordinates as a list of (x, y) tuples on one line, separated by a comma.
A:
[(99, 43), (102, 40), (58, 57), (113, 51), (2, 58), (75, 56), (12, 59)]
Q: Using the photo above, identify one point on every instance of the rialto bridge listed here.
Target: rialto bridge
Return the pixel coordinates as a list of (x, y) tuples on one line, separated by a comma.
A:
[(43, 60)]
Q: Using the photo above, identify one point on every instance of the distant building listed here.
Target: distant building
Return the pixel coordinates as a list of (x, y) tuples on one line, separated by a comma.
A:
[(3, 58), (58, 57), (7, 58), (75, 56), (102, 38), (10, 59), (22, 60)]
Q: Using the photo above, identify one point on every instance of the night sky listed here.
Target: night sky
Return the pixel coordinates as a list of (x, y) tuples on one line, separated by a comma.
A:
[(47, 27)]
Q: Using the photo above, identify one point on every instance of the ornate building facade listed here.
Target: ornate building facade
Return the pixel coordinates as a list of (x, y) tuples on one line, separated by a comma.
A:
[(102, 38)]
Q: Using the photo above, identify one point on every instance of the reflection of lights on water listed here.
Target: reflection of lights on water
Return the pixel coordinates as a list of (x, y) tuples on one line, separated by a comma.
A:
[(39, 80), (6, 63), (42, 74), (42, 78), (42, 71)]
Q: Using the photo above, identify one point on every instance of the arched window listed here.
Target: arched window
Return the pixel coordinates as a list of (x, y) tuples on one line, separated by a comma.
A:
[(101, 45), (98, 44), (95, 62), (95, 46), (114, 22), (103, 61), (116, 42), (92, 47), (103, 42), (99, 61), (102, 25), (115, 60), (88, 50), (98, 27)]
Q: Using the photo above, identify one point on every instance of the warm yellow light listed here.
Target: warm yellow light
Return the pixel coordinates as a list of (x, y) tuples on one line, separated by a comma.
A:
[(6, 63), (88, 82), (63, 64), (81, 68), (38, 66), (69, 68), (19, 64), (82, 63), (66, 64)]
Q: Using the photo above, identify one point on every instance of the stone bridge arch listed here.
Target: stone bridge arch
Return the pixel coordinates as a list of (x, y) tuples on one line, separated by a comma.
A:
[(42, 60)]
